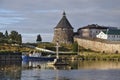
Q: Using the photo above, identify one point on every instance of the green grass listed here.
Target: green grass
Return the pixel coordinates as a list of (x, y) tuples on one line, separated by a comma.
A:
[(98, 56), (51, 46), (13, 48)]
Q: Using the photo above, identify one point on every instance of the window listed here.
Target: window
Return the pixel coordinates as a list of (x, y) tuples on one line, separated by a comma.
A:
[(113, 36), (117, 36)]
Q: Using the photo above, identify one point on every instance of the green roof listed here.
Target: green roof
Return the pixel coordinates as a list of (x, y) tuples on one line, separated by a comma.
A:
[(112, 32)]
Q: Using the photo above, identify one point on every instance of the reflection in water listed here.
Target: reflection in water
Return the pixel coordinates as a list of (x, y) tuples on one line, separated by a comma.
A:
[(100, 65), (43, 65), (10, 70), (77, 70)]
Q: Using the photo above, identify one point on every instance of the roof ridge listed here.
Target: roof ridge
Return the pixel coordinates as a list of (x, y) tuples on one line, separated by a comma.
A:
[(64, 23)]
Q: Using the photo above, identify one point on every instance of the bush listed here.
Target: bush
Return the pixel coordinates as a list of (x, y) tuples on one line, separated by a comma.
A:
[(75, 47)]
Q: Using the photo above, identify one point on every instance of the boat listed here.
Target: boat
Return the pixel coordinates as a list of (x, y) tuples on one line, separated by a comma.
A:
[(37, 57)]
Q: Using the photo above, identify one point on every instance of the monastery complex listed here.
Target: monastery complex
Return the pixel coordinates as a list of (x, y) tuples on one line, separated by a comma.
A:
[(109, 36)]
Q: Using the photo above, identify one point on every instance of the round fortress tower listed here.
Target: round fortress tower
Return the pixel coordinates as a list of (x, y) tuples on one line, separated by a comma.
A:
[(63, 32)]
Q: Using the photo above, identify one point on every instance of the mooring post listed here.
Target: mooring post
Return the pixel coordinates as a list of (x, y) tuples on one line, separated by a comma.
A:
[(57, 50)]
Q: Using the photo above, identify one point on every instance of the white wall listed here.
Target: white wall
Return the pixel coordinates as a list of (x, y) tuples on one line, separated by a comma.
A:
[(90, 32), (114, 37), (84, 32), (102, 35), (95, 32)]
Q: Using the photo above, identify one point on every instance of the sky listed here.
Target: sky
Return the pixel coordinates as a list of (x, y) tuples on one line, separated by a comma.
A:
[(33, 17)]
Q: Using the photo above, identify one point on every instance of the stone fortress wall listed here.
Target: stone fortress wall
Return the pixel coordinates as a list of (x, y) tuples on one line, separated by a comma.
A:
[(63, 35), (106, 47)]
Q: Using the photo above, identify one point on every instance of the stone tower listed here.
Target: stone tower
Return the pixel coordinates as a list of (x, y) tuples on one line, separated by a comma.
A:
[(63, 32)]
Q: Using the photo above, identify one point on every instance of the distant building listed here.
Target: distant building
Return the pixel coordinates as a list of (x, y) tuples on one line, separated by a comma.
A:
[(111, 35), (63, 32), (91, 31), (112, 28)]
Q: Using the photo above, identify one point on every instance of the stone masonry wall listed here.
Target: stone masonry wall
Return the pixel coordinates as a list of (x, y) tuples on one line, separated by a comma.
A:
[(99, 46), (63, 35)]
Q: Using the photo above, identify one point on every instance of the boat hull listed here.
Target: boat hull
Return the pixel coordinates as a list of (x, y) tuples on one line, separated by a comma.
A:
[(42, 58)]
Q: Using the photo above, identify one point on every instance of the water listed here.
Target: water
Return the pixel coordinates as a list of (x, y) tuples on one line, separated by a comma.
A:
[(77, 70)]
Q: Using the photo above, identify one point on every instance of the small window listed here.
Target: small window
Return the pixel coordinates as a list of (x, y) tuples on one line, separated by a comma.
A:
[(113, 36), (117, 36)]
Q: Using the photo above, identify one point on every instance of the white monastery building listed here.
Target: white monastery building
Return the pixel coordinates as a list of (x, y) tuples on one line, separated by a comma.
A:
[(102, 32), (91, 31), (111, 35)]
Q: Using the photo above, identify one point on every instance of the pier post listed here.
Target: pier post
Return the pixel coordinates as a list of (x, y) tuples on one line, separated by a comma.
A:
[(57, 50)]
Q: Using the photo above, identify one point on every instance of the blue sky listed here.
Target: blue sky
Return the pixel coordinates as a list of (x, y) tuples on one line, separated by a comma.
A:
[(33, 17)]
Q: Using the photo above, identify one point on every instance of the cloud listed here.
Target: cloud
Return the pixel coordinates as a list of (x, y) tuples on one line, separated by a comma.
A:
[(4, 11), (33, 36), (9, 17), (10, 20), (41, 16)]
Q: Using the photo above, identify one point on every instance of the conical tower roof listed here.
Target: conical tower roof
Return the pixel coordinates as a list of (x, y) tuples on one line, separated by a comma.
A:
[(64, 23)]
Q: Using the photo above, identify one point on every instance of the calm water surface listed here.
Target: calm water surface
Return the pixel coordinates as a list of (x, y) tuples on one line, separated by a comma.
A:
[(77, 70)]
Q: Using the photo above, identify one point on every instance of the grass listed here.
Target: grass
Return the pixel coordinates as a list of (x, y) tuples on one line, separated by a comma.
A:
[(51, 46), (45, 45), (13, 48), (85, 55)]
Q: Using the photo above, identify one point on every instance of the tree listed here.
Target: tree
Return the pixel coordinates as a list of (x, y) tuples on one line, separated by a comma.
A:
[(1, 35), (15, 37), (75, 47), (39, 39), (19, 39), (6, 34)]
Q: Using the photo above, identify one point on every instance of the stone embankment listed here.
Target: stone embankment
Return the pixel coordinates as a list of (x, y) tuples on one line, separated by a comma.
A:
[(10, 56), (99, 45)]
